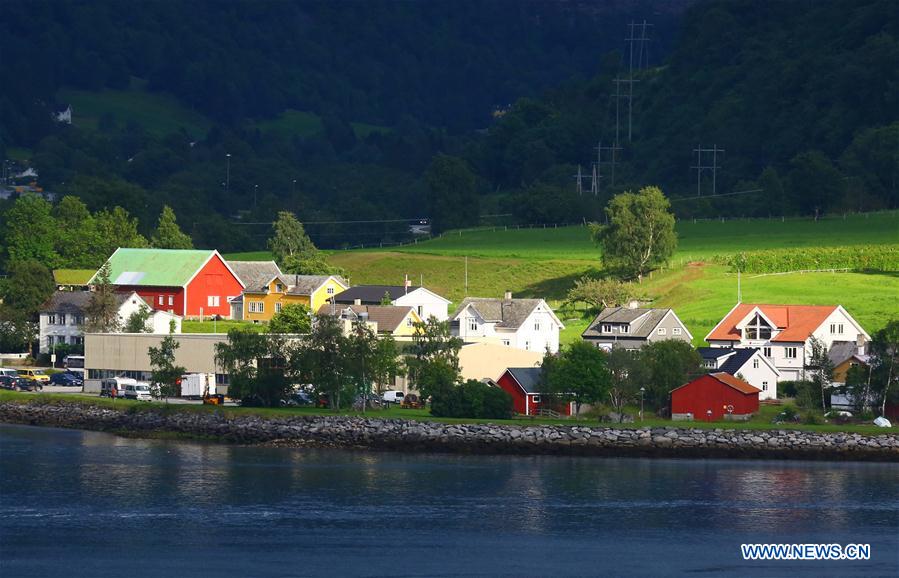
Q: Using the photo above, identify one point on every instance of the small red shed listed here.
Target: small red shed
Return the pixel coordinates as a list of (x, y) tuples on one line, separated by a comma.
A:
[(523, 384), (726, 396)]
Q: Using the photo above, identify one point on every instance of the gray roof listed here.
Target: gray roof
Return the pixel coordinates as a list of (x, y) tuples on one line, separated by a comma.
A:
[(255, 274), (527, 377), (507, 313), (372, 294), (75, 302), (304, 284), (642, 322), (388, 317), (840, 351), (735, 362)]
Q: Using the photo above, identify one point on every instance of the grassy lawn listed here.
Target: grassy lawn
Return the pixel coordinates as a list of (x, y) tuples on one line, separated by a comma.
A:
[(188, 326), (762, 421), (159, 114)]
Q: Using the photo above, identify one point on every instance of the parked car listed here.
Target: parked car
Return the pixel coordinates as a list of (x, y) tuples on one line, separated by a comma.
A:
[(392, 396), (115, 386), (66, 379), (34, 374), (25, 384), (296, 399), (138, 391), (9, 372), (8, 382)]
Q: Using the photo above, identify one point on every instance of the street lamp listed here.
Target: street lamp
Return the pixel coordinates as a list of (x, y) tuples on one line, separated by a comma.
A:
[(293, 188), (255, 191), (642, 391)]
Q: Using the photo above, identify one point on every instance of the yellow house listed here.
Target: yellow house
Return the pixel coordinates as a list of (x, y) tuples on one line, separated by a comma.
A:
[(385, 319), (260, 303)]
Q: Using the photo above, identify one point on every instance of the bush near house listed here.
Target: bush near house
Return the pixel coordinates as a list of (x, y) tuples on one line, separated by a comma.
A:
[(473, 399)]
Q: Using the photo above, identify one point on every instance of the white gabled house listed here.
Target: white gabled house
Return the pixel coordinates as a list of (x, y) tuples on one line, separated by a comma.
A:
[(528, 324), (746, 363), (423, 301), (783, 333)]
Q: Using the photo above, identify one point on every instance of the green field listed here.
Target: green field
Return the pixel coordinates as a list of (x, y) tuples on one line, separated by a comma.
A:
[(158, 114), (292, 123), (189, 326)]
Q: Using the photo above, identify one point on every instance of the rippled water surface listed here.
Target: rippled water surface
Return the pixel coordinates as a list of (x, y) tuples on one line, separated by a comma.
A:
[(89, 504)]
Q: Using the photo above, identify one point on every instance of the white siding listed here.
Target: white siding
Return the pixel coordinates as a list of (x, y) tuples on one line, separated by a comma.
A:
[(425, 304)]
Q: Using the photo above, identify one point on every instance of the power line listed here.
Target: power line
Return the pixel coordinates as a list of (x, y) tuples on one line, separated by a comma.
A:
[(746, 192), (701, 167)]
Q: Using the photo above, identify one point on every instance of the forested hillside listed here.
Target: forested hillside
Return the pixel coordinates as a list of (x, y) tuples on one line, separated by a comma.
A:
[(230, 112)]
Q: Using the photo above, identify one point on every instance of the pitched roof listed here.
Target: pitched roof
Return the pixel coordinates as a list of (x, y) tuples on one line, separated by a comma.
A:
[(796, 322), (714, 352), (372, 294), (527, 377), (841, 351), (76, 301), (506, 313), (735, 382), (642, 322), (388, 317), (156, 267), (306, 284), (255, 274), (735, 362)]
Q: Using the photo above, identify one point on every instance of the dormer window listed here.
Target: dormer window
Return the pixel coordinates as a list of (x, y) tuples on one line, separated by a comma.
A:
[(279, 288), (606, 328), (624, 328), (758, 328)]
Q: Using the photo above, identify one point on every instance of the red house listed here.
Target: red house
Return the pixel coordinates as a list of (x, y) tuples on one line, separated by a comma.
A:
[(722, 394), (523, 384), (184, 282)]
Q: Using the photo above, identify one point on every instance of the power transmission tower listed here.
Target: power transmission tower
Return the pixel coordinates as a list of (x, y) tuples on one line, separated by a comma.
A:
[(701, 167), (642, 50), (612, 150), (630, 99), (594, 186), (579, 179)]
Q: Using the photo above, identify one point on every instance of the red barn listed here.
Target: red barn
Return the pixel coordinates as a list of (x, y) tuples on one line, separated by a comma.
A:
[(722, 393), (523, 384), (184, 282)]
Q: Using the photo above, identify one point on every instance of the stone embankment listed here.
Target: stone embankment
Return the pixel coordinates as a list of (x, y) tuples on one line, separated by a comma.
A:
[(408, 435)]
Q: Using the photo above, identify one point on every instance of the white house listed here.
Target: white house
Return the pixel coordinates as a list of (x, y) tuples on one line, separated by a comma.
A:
[(746, 363), (62, 318), (783, 333), (528, 324), (425, 302)]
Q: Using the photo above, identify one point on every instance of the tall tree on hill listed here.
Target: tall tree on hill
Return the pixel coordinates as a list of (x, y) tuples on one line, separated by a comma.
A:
[(639, 236), (116, 228), (294, 251), (76, 234), (452, 194), (168, 235), (101, 312), (30, 231)]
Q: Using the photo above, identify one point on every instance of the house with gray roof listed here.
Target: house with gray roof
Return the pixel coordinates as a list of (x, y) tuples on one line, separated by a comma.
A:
[(634, 327), (528, 324), (384, 319), (425, 302)]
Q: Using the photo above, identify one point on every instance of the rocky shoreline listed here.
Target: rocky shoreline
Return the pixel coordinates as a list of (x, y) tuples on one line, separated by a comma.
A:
[(409, 435)]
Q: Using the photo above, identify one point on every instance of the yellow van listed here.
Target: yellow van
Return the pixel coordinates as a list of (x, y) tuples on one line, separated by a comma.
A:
[(35, 374)]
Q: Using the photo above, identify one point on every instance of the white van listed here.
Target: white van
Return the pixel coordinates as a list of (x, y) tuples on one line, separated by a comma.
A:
[(8, 372), (138, 391), (115, 386), (393, 396)]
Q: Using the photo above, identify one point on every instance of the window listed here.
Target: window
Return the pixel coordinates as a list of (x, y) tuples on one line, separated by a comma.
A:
[(527, 345), (50, 340), (625, 329), (606, 328), (420, 310), (409, 322), (757, 329), (710, 363), (662, 331), (62, 318), (506, 342), (161, 300), (766, 351), (51, 319), (535, 399), (257, 307), (278, 307), (764, 386), (676, 331), (73, 340), (279, 288), (79, 340), (836, 328), (755, 364), (171, 300), (472, 324), (211, 301), (79, 320), (790, 352), (536, 326), (330, 291)]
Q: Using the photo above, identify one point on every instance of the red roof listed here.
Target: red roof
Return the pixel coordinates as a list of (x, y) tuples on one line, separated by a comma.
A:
[(735, 382), (796, 322)]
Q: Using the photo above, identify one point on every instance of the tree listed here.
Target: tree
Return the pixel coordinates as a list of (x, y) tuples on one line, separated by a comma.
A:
[(116, 228), (452, 193), (102, 310), (386, 301), (258, 365), (600, 293), (168, 235), (137, 322), (165, 374), (474, 399), (385, 364), (76, 235), (581, 375), (669, 364), (433, 344), (293, 318), (640, 233), (627, 374), (320, 359), (358, 356), (290, 239), (29, 285), (30, 231), (885, 352), (819, 370)]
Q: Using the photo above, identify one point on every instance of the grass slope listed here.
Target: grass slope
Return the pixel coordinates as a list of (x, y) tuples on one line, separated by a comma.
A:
[(158, 114)]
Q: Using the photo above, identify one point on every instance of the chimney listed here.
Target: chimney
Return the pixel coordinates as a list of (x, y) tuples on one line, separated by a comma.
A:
[(357, 301), (633, 304), (507, 296), (860, 343)]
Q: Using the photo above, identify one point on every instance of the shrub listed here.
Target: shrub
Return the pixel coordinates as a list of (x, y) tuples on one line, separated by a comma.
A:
[(812, 418), (788, 388), (473, 399)]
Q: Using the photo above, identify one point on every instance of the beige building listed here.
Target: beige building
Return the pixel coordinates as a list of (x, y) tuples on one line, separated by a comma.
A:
[(489, 360), (125, 355)]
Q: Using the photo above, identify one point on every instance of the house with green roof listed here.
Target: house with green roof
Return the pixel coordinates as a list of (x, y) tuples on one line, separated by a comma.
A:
[(186, 282)]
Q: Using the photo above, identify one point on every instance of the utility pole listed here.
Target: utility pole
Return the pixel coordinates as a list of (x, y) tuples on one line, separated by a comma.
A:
[(612, 150), (228, 174), (641, 50), (630, 98)]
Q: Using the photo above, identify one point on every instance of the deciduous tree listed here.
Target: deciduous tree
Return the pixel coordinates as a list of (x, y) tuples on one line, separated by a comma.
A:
[(293, 318), (102, 310), (581, 375), (165, 373)]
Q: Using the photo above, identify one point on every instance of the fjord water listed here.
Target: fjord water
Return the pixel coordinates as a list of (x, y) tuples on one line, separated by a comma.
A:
[(76, 503)]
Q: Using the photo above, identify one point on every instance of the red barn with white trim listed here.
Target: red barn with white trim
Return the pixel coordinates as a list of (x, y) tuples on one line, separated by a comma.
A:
[(523, 384), (722, 394)]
